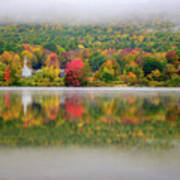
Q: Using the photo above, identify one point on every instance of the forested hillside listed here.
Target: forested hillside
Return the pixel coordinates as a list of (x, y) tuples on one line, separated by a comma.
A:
[(146, 54)]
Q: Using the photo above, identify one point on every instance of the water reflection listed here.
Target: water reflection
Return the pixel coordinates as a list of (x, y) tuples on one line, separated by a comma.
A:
[(26, 100), (90, 118)]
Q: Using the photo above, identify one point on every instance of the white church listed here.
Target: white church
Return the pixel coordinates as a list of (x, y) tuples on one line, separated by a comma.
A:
[(26, 71)]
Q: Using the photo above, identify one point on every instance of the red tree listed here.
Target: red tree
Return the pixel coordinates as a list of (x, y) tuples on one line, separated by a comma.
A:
[(76, 73), (172, 57), (7, 74)]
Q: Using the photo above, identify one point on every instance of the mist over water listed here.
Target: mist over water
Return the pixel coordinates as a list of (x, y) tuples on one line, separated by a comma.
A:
[(80, 164), (85, 11)]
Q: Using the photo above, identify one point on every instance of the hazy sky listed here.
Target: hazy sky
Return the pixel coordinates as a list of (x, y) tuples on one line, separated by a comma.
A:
[(84, 10)]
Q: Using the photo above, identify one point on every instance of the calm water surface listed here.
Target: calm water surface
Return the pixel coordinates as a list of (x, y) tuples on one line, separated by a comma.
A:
[(91, 133)]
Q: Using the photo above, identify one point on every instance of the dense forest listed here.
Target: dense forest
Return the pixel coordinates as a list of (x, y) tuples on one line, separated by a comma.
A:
[(128, 54)]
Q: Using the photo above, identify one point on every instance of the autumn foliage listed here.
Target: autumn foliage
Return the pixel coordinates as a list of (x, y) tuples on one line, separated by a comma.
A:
[(172, 57), (109, 71), (52, 60), (76, 73), (104, 55), (7, 74)]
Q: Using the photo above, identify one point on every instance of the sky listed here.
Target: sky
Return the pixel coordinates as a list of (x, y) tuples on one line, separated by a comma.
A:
[(85, 11)]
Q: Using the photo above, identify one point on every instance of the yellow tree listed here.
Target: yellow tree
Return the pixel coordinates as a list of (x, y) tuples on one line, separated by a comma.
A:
[(29, 55), (52, 60)]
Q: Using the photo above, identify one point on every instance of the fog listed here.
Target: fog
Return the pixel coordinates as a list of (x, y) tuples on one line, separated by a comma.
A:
[(87, 163), (87, 11)]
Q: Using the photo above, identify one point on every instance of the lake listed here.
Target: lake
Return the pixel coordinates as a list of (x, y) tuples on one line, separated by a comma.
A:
[(89, 133)]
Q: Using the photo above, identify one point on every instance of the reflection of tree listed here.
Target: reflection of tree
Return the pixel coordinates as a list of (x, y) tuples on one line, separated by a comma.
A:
[(178, 103), (130, 110), (151, 108), (109, 106), (95, 110), (1, 122), (50, 105), (173, 113), (81, 119), (7, 99), (29, 119), (10, 110), (74, 108)]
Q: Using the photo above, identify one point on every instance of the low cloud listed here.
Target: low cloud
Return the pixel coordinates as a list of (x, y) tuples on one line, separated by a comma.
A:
[(86, 11)]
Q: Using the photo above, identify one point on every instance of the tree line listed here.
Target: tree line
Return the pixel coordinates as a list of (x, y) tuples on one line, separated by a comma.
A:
[(145, 54)]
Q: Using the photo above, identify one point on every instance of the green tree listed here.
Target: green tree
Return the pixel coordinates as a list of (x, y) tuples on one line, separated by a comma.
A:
[(96, 60), (51, 46), (150, 64), (1, 47)]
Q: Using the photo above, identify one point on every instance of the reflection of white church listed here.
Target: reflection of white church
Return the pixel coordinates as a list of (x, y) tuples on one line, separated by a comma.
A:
[(26, 100), (26, 71)]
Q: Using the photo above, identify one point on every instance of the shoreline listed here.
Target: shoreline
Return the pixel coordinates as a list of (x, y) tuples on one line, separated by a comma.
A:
[(90, 88)]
